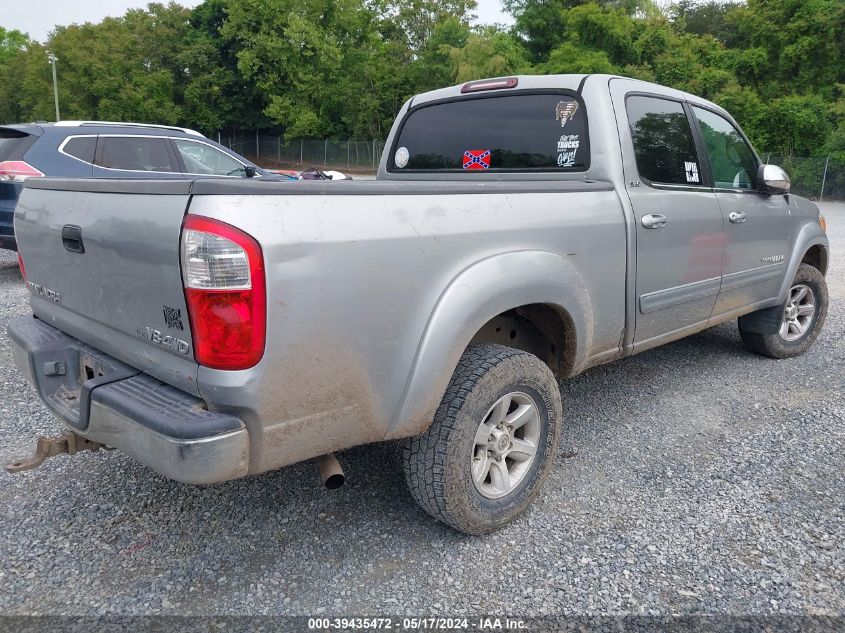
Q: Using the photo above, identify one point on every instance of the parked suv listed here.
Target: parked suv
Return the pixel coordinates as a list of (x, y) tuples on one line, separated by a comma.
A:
[(97, 149)]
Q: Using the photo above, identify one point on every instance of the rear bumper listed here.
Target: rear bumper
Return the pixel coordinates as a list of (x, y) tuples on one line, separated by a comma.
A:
[(109, 402)]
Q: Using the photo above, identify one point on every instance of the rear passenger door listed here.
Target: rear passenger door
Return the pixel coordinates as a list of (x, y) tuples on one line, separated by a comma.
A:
[(135, 156), (679, 226), (757, 227)]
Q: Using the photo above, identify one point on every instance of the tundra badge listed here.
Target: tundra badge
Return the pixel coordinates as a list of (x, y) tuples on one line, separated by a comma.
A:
[(41, 291)]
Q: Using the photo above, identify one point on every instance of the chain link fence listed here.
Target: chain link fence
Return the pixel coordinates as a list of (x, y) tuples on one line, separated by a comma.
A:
[(272, 150), (817, 178)]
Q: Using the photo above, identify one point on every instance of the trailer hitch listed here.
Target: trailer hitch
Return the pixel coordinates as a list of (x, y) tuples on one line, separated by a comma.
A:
[(45, 447)]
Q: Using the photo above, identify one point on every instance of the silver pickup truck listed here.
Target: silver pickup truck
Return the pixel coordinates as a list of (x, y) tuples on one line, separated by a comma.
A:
[(520, 231)]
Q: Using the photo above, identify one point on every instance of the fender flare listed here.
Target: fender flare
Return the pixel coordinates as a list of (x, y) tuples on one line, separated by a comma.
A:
[(809, 235), (767, 320), (478, 293)]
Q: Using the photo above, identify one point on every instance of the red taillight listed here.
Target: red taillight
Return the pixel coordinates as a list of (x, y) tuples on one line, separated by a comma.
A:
[(223, 275), (17, 170), (22, 267)]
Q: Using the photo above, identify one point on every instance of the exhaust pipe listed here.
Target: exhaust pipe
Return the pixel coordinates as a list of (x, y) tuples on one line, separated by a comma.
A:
[(330, 471)]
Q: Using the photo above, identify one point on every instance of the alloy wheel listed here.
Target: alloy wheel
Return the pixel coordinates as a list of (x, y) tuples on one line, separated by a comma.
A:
[(798, 313), (505, 445)]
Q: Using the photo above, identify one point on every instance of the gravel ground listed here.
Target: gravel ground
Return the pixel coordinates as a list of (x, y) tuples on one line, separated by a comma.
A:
[(706, 480)]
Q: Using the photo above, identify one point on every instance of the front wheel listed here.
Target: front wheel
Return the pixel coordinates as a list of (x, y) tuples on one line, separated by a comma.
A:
[(803, 317), (492, 444)]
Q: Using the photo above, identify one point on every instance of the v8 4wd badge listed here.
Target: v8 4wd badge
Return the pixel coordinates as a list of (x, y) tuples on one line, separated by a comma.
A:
[(157, 337)]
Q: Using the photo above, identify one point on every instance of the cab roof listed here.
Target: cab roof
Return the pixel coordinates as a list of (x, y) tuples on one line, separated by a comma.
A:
[(574, 82)]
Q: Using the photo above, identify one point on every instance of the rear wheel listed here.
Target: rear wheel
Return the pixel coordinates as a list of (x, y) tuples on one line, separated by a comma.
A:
[(492, 444), (804, 314)]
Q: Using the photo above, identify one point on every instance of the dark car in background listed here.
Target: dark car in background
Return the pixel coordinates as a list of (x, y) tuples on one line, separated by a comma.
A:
[(98, 149)]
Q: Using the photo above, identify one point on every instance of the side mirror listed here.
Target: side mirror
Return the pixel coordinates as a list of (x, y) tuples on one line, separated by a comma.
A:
[(250, 171), (772, 180)]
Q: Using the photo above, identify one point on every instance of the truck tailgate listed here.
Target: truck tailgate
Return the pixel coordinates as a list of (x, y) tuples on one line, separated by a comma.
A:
[(102, 263)]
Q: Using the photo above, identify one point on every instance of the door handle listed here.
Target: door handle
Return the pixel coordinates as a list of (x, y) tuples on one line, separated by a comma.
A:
[(654, 221), (737, 217), (72, 238)]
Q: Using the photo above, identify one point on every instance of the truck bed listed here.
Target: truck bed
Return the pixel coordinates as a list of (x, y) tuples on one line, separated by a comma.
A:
[(358, 276)]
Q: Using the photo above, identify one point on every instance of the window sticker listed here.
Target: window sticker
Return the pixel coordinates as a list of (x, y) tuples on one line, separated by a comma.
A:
[(401, 157), (692, 171), (565, 111), (566, 159), (568, 141), (567, 147), (476, 159)]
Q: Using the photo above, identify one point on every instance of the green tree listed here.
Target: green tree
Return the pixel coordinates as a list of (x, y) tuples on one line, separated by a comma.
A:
[(118, 69), (12, 42), (318, 64), (542, 24), (703, 17), (435, 65), (13, 45), (216, 95), (571, 58), (749, 110), (489, 52), (798, 124), (418, 20), (803, 40)]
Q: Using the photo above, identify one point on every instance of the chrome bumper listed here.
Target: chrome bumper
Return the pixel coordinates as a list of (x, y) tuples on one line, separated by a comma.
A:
[(166, 429), (202, 460)]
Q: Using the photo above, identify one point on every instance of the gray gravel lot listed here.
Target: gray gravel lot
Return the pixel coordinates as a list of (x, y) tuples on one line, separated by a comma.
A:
[(705, 480)]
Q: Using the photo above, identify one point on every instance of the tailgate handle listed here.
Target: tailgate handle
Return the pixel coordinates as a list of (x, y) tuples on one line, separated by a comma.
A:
[(72, 238)]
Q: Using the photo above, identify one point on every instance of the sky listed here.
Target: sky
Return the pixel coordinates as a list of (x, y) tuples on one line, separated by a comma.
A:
[(38, 17)]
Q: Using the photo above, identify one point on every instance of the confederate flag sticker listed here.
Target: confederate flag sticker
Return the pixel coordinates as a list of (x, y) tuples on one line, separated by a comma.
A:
[(477, 159)]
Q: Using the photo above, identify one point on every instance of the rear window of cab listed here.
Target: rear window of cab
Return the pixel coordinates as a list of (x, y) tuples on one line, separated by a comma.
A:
[(513, 132)]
